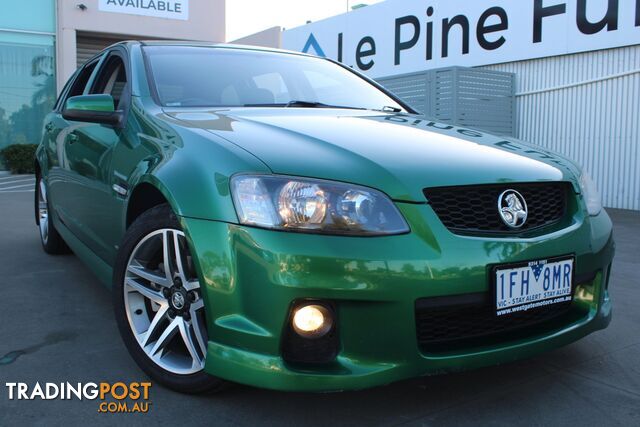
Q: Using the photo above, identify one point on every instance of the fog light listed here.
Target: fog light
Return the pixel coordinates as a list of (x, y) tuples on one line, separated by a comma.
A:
[(312, 321)]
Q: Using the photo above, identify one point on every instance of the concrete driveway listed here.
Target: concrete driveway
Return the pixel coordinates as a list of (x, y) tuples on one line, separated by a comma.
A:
[(57, 326)]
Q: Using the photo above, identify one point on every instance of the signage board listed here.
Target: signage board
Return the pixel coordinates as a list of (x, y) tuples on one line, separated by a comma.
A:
[(403, 36), (169, 9)]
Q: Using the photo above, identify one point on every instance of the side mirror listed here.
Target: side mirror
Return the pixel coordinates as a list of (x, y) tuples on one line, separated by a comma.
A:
[(93, 109)]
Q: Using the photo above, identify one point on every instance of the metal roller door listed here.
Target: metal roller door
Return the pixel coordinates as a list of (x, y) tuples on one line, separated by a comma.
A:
[(88, 44)]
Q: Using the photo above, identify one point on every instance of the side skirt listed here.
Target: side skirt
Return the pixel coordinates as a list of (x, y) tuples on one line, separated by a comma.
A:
[(101, 269)]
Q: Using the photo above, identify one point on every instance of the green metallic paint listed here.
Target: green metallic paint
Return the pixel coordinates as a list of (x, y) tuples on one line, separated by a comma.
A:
[(375, 289), (396, 153), (269, 371), (102, 103), (250, 276)]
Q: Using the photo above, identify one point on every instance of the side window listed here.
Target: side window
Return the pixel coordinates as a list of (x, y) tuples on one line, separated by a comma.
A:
[(78, 85), (61, 97), (112, 80), (83, 78)]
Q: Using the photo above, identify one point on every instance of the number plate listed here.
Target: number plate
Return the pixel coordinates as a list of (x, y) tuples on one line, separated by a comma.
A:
[(533, 284)]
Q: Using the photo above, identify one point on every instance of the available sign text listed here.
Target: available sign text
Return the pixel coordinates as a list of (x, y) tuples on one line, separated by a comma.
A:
[(170, 9)]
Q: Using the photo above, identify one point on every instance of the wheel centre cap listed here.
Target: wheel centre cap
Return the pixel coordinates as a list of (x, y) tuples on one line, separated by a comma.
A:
[(178, 300)]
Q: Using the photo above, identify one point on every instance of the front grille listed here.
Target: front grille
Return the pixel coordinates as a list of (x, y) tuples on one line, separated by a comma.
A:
[(474, 209), (450, 323)]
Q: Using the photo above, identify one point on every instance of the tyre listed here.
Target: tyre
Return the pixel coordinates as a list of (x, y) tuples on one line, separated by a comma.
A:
[(158, 304), (52, 242)]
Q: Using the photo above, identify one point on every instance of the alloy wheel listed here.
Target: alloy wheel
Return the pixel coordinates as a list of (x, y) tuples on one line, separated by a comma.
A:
[(163, 302)]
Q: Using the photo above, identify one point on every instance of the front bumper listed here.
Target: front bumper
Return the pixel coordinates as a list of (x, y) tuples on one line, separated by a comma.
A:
[(251, 276)]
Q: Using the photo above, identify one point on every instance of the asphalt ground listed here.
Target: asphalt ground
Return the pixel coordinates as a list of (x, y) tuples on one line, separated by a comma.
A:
[(16, 183), (57, 326)]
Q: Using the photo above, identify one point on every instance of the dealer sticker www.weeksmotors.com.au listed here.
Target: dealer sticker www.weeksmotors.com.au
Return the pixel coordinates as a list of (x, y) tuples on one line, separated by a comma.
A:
[(535, 284)]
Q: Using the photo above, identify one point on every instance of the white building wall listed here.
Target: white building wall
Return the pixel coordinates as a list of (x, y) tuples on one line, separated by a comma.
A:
[(206, 23), (271, 37), (586, 106)]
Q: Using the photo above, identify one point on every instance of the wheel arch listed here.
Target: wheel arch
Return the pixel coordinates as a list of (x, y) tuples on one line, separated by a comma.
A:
[(147, 194)]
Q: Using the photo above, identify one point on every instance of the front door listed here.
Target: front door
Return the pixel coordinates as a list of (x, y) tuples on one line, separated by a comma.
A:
[(90, 196), (56, 138)]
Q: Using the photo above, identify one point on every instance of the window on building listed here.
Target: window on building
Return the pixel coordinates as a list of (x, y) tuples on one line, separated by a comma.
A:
[(27, 87), (27, 70)]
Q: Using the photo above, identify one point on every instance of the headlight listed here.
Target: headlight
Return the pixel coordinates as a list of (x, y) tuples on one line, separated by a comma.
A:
[(590, 194), (311, 205)]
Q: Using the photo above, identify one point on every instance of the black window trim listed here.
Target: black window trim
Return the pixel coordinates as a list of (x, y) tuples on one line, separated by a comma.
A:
[(64, 95)]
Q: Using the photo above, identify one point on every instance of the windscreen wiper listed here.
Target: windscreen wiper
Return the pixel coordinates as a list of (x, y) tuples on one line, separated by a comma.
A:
[(304, 104), (310, 104)]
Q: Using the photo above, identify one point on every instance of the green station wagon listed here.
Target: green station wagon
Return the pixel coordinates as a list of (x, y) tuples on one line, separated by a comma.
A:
[(280, 220)]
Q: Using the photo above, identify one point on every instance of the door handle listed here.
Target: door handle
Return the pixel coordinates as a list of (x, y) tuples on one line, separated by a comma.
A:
[(49, 127), (72, 138)]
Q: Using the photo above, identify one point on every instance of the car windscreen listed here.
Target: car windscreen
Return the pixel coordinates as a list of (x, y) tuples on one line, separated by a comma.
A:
[(190, 76)]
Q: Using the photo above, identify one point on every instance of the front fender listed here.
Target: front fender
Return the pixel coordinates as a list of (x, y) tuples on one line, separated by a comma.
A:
[(193, 171)]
